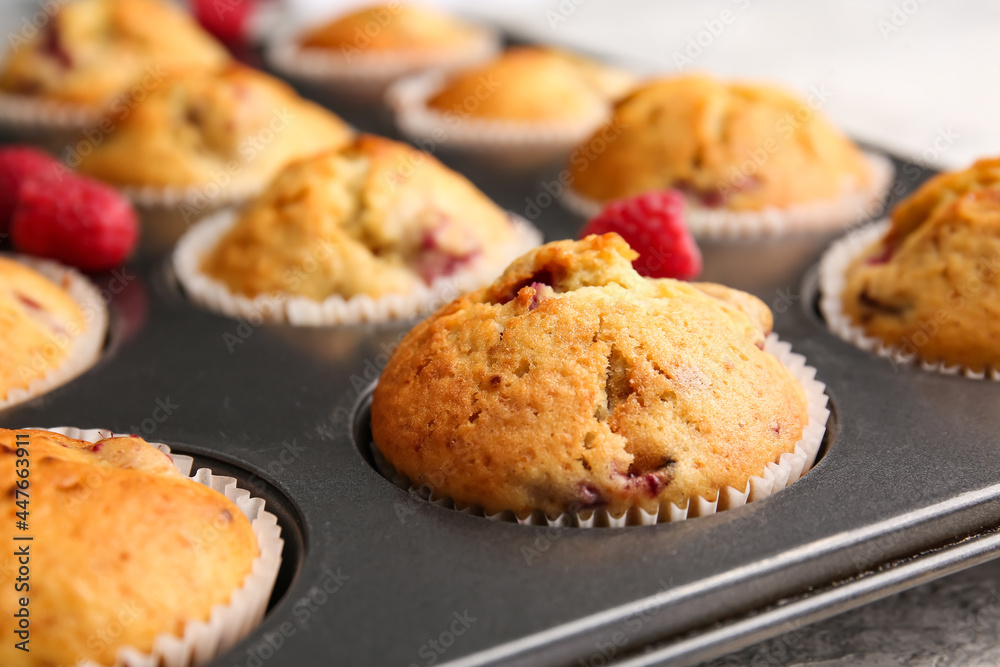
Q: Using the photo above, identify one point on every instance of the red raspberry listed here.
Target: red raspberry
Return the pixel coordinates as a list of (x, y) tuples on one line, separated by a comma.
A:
[(653, 224), (229, 21), (77, 221), (17, 164)]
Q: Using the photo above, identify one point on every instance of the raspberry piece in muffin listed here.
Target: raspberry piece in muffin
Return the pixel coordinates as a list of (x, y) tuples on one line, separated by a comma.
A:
[(727, 145), (38, 324), (931, 285), (90, 52), (374, 218), (574, 383)]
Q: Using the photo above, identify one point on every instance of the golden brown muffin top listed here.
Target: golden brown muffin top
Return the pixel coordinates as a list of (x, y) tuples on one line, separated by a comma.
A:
[(121, 539), (531, 84), (741, 146), (375, 217), (393, 27), (926, 204), (611, 82), (91, 51), (931, 285), (235, 126), (573, 383), (38, 322)]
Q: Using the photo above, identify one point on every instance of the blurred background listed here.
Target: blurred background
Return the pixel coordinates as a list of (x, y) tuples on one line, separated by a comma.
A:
[(913, 76)]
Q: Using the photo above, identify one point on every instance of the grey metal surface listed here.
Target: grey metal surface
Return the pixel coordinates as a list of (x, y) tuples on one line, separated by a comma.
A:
[(387, 579), (373, 576)]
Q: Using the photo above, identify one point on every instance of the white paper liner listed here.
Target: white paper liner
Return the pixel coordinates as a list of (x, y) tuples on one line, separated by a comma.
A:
[(775, 476), (302, 311), (517, 142), (207, 198), (719, 223), (85, 349), (832, 281), (227, 624), (32, 112), (367, 73)]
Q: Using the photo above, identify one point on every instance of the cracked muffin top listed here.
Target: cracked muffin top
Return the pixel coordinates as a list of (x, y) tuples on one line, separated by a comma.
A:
[(38, 321), (230, 127), (393, 27), (376, 217), (931, 285), (150, 541), (532, 84), (92, 51), (574, 383), (732, 145)]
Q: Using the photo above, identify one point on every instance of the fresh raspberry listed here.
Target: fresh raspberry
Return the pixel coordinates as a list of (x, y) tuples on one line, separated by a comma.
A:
[(229, 21), (653, 224), (17, 164), (81, 222)]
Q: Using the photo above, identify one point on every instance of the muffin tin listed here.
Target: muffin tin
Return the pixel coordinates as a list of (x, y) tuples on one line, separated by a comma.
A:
[(907, 489)]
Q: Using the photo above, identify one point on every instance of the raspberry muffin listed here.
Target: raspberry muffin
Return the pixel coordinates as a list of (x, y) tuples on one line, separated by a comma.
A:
[(371, 220), (928, 285), (225, 133), (753, 153), (573, 384), (159, 550), (363, 51), (529, 100), (51, 328), (91, 52)]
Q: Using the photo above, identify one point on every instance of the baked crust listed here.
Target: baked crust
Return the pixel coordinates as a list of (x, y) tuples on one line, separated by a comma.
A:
[(376, 217), (931, 285), (393, 27), (38, 323), (121, 540), (531, 84), (732, 145), (91, 51), (230, 127), (573, 383)]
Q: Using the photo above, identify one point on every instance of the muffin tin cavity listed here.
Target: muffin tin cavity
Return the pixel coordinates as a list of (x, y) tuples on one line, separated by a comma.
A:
[(289, 518)]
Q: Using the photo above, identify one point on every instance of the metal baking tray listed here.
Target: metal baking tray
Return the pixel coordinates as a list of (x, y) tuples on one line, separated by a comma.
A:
[(907, 487)]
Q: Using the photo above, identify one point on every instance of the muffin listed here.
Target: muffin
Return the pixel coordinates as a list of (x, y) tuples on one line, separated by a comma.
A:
[(159, 550), (91, 52), (746, 151), (226, 132), (573, 384), (530, 85), (927, 285), (372, 220), (363, 51), (610, 82), (51, 327), (530, 99)]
